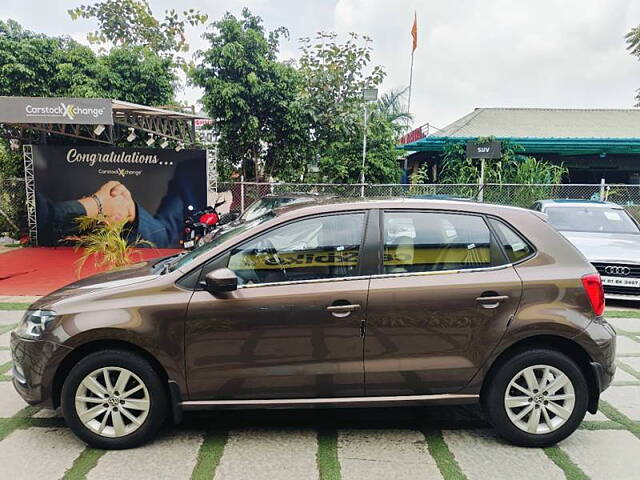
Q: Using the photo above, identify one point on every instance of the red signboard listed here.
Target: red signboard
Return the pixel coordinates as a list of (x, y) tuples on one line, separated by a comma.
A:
[(414, 135)]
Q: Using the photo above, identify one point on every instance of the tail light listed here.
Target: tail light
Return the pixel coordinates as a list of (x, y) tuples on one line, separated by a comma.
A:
[(593, 288)]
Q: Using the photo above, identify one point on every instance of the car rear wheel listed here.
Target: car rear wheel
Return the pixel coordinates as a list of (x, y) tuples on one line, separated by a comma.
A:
[(114, 399), (536, 398)]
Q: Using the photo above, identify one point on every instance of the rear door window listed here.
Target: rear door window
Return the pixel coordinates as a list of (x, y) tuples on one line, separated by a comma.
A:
[(431, 241)]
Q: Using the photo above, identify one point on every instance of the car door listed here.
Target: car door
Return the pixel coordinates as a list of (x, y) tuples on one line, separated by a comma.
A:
[(293, 327), (440, 304)]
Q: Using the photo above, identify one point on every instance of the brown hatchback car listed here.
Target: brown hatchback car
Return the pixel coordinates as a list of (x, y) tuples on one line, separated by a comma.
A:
[(385, 302)]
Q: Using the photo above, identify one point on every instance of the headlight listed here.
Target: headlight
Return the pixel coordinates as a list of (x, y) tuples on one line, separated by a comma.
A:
[(34, 323)]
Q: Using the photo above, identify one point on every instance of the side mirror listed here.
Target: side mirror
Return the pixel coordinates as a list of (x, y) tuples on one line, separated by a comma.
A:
[(220, 280)]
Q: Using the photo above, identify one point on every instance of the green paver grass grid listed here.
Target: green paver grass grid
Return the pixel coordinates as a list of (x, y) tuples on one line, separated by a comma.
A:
[(209, 455), (444, 458), (13, 306), (562, 460), (327, 455), (622, 314), (214, 441)]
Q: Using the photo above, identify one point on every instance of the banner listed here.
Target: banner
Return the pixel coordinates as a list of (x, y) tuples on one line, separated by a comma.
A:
[(79, 111), (151, 188)]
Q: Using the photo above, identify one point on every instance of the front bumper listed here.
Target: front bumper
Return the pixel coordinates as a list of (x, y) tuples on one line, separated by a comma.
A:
[(33, 368)]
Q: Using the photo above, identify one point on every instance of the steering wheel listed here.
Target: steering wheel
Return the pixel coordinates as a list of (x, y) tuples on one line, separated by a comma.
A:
[(267, 247)]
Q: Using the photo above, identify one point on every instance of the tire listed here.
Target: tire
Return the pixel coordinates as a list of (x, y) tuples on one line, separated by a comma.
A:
[(557, 418), (120, 419)]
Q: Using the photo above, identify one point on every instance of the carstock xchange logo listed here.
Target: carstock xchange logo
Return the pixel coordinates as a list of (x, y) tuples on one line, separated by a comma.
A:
[(63, 110)]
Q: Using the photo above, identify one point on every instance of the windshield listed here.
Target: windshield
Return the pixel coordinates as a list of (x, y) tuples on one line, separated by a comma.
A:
[(591, 219), (187, 258), (265, 205)]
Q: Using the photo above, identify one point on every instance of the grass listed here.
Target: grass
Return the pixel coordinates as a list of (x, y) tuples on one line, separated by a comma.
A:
[(622, 314), (7, 328), (209, 455), (327, 455), (600, 425), (617, 416), (14, 306), (562, 460), (19, 420), (629, 369), (5, 367), (443, 457), (83, 464)]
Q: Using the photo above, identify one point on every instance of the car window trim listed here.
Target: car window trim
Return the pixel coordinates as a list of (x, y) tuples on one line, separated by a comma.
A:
[(443, 272)]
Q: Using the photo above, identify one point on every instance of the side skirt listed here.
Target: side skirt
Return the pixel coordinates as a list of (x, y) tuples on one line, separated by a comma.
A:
[(400, 400)]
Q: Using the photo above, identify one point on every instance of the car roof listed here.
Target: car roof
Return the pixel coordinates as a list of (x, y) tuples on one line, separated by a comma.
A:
[(326, 205), (294, 195), (571, 202)]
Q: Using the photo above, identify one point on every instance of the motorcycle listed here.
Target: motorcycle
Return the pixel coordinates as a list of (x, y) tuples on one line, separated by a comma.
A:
[(199, 224)]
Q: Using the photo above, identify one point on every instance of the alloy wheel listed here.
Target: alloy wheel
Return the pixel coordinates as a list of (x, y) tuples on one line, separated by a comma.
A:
[(112, 402), (539, 399)]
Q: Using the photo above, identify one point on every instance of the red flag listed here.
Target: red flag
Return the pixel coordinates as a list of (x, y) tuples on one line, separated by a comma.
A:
[(414, 32)]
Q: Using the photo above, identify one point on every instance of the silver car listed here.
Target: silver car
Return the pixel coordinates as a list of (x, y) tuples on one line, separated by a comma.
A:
[(607, 235)]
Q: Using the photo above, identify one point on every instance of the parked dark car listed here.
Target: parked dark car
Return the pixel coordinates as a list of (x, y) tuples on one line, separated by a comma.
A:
[(436, 301), (260, 208), (607, 235)]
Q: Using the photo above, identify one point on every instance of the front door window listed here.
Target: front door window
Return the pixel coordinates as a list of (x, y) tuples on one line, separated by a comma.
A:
[(310, 249)]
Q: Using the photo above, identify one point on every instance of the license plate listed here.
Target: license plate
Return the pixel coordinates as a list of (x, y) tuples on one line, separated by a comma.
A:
[(621, 282), (188, 244)]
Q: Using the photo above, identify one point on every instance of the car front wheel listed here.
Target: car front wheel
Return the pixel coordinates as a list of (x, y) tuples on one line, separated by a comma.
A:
[(536, 398), (114, 399)]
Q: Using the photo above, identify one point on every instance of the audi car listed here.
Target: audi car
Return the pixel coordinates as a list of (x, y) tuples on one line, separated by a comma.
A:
[(607, 235)]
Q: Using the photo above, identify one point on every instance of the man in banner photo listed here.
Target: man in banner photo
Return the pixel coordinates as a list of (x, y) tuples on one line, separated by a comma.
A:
[(151, 188)]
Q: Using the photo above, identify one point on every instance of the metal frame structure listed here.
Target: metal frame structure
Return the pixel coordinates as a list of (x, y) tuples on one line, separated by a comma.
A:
[(30, 186), (162, 123)]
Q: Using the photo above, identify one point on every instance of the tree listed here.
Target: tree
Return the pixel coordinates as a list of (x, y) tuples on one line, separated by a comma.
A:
[(393, 106), (36, 65), (131, 23), (254, 99), (334, 77), (633, 45)]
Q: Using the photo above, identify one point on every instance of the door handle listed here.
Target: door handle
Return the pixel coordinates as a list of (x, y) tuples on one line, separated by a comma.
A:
[(343, 308), (342, 311), (492, 301)]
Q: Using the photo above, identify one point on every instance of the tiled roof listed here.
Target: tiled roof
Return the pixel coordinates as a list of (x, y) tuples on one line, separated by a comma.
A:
[(546, 123)]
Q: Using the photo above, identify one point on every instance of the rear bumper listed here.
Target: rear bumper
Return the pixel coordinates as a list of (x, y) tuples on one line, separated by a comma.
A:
[(599, 340)]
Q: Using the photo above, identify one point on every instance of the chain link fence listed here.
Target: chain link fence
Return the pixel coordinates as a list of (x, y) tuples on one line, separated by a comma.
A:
[(13, 219), (244, 194), (13, 208)]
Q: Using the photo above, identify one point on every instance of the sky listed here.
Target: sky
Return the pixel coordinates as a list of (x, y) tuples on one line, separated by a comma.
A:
[(471, 53)]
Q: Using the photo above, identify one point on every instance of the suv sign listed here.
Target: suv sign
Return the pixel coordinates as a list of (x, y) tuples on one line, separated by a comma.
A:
[(484, 150)]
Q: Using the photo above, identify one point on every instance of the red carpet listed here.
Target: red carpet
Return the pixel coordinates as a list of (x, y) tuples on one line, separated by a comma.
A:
[(38, 271)]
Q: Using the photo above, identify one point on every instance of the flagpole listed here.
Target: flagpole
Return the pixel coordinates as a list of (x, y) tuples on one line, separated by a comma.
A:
[(414, 44), (410, 84)]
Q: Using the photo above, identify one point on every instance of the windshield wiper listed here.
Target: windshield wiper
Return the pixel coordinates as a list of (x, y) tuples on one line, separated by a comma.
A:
[(171, 261)]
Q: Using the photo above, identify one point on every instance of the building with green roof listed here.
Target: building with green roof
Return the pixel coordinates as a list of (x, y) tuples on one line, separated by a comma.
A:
[(592, 143)]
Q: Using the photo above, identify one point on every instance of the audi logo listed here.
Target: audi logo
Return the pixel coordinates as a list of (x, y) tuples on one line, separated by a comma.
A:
[(613, 270)]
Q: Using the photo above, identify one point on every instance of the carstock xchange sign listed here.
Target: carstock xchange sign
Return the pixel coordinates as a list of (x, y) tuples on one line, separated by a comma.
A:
[(82, 111)]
